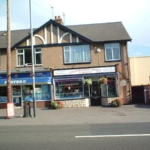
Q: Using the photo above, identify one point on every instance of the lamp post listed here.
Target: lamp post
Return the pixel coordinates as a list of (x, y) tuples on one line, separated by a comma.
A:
[(33, 69)]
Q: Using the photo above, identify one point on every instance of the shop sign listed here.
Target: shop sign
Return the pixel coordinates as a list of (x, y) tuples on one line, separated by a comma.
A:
[(27, 80), (16, 82), (26, 75), (84, 71)]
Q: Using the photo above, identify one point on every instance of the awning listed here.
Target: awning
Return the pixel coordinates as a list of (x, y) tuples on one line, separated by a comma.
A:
[(20, 81)]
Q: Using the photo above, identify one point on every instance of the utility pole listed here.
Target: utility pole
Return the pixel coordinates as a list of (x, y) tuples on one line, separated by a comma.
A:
[(10, 105), (8, 53)]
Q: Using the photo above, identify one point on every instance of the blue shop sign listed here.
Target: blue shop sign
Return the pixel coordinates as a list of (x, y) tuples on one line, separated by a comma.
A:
[(25, 78)]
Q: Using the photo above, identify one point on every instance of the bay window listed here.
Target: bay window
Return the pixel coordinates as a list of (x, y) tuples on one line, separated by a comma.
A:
[(77, 54)]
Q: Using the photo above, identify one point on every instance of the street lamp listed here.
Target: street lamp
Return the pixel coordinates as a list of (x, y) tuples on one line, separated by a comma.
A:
[(33, 69)]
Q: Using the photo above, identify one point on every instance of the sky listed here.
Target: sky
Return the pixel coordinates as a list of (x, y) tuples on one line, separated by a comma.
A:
[(134, 14)]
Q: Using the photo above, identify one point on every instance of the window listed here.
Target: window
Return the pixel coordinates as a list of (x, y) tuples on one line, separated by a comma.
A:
[(42, 92), (112, 52), (68, 89), (3, 94), (76, 54), (25, 56), (110, 89)]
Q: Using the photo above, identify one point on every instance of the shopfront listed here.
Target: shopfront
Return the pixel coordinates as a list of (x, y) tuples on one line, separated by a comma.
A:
[(70, 85), (22, 87)]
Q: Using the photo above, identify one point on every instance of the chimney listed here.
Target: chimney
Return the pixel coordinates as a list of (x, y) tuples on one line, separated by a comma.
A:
[(59, 20)]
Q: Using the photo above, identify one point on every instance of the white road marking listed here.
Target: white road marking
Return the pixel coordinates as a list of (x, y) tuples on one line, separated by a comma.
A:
[(105, 136)]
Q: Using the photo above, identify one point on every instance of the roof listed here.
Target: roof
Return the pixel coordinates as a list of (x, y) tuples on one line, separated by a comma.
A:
[(101, 32), (16, 36)]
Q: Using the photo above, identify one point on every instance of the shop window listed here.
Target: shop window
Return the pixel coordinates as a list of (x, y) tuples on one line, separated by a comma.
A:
[(25, 56), (3, 94), (109, 89), (77, 54), (112, 52), (68, 89), (112, 90), (42, 92), (16, 91)]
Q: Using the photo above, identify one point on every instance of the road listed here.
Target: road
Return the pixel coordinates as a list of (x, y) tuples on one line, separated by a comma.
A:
[(130, 136)]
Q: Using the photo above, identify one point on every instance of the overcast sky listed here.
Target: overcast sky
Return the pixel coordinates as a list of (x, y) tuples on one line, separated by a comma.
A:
[(134, 14)]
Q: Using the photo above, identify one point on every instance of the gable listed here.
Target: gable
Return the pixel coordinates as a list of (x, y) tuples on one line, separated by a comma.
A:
[(52, 33)]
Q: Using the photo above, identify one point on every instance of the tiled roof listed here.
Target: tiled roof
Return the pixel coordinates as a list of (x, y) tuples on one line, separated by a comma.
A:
[(95, 32), (103, 31), (16, 36)]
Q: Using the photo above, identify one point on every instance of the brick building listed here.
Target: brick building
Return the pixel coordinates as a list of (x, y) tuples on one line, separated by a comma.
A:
[(65, 57)]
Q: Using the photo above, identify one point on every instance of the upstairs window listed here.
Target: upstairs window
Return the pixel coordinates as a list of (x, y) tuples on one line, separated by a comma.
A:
[(25, 57), (77, 54), (112, 52)]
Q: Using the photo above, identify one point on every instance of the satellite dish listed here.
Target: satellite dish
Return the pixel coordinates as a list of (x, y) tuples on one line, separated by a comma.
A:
[(123, 82)]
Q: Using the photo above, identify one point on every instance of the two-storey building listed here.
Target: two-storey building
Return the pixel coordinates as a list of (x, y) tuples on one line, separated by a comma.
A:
[(65, 57)]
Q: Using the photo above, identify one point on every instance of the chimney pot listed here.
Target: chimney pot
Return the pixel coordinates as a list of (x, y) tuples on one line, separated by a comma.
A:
[(58, 19)]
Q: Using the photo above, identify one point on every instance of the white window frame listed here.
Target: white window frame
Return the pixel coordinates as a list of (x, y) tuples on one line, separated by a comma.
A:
[(69, 50), (111, 46), (23, 54), (36, 55), (20, 54)]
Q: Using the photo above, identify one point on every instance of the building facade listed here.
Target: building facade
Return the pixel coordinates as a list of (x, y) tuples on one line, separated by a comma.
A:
[(140, 79), (72, 55)]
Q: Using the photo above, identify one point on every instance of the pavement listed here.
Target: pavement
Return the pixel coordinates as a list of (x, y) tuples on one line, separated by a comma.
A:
[(86, 115)]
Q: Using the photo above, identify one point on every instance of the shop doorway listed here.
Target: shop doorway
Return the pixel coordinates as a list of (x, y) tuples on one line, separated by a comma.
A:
[(95, 94), (16, 95)]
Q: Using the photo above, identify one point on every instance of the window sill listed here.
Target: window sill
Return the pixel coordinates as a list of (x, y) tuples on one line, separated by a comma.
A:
[(77, 63), (24, 66), (112, 60)]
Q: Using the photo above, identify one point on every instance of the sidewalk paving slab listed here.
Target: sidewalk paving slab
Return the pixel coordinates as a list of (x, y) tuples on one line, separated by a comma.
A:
[(86, 115)]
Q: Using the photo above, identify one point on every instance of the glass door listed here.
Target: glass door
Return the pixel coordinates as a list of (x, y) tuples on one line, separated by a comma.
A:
[(95, 94), (16, 94)]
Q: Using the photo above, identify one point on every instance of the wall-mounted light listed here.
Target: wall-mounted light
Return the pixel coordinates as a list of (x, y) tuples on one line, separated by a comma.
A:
[(98, 50)]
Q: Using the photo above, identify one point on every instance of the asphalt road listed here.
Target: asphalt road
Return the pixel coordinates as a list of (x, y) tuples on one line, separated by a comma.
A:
[(122, 136)]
